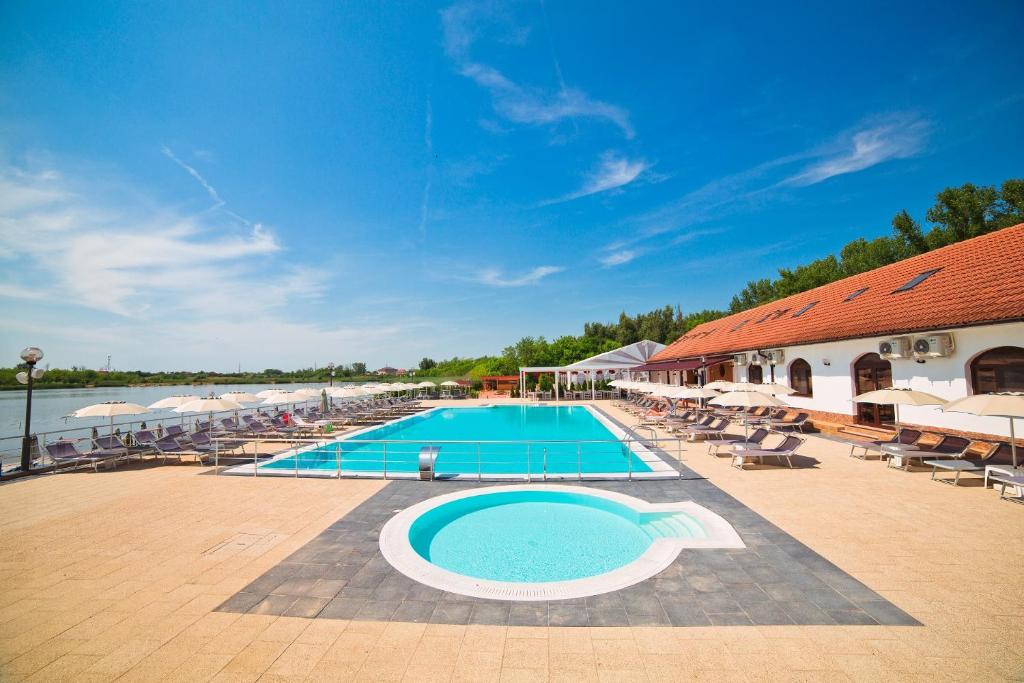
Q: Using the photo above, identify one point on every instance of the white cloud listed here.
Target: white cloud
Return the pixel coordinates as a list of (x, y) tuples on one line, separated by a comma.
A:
[(898, 137), (496, 278), (128, 258), (618, 258), (613, 172), (516, 103)]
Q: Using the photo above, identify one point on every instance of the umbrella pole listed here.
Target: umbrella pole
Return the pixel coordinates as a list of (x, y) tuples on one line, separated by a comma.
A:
[(1013, 444)]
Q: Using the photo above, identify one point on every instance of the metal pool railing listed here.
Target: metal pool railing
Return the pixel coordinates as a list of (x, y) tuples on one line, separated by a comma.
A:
[(530, 460)]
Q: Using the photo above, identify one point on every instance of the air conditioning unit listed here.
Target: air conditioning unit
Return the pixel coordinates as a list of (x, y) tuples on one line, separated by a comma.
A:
[(740, 359), (897, 348), (934, 346), (775, 357)]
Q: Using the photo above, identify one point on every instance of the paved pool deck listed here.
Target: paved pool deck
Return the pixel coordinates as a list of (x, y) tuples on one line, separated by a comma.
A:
[(119, 576)]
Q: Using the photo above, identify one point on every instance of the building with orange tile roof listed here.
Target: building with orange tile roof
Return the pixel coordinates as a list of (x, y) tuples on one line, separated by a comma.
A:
[(949, 322)]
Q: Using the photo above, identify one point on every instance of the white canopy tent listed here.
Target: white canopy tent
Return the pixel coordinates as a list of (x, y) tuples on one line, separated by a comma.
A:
[(618, 362)]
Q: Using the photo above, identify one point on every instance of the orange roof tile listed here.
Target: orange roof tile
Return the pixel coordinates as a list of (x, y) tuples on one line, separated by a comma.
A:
[(981, 280)]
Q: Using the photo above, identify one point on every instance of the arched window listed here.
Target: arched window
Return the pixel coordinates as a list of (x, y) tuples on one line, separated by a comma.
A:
[(755, 374), (999, 369), (800, 377)]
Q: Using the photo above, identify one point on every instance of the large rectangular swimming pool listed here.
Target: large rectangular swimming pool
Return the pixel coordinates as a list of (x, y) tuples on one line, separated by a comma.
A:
[(477, 441)]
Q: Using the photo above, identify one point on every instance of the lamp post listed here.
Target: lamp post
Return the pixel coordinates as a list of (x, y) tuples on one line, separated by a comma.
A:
[(31, 356), (330, 366)]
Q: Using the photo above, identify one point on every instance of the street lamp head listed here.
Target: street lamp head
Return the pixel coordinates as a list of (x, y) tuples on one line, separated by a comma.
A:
[(32, 354), (37, 373), (330, 366), (22, 377)]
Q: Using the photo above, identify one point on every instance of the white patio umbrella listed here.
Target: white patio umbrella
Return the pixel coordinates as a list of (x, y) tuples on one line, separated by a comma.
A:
[(746, 399), (308, 392), (775, 389), (1008, 404), (110, 409), (745, 386), (449, 383), (897, 397), (241, 397), (172, 401), (720, 385), (210, 404), (266, 393), (287, 397), (349, 392), (426, 383)]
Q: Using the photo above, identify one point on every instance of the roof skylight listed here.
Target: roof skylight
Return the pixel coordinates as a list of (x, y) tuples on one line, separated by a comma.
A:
[(916, 280), (805, 309), (855, 293)]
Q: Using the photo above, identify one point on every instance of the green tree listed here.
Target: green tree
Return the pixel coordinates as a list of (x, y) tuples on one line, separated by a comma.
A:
[(427, 363), (359, 369)]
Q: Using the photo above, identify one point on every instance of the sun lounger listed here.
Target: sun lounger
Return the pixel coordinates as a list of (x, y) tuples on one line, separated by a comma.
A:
[(113, 443), (948, 447), (1004, 481), (65, 453), (713, 430), (170, 447), (998, 454), (785, 450), (796, 422), (755, 439), (905, 436)]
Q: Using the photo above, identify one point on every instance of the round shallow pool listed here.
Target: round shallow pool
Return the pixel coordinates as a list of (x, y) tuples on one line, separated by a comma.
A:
[(544, 542)]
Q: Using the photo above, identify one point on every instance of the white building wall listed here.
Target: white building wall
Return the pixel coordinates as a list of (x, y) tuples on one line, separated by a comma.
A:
[(944, 377)]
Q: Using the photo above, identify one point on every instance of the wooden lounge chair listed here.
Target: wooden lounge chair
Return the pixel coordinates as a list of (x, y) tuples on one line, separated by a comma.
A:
[(785, 450)]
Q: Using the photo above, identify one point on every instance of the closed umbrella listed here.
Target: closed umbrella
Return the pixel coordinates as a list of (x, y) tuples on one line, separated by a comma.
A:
[(1008, 404), (746, 399), (110, 409), (897, 397)]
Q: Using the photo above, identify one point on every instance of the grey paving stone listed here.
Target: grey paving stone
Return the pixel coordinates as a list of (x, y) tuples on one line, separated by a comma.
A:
[(452, 613), (240, 602), (730, 619), (686, 614), (414, 611), (851, 617), (490, 613), (306, 607), (273, 604), (607, 616), (528, 614), (774, 580), (567, 615), (341, 608), (377, 610)]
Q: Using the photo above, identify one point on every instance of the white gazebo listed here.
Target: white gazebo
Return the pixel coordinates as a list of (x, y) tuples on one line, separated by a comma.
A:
[(618, 362)]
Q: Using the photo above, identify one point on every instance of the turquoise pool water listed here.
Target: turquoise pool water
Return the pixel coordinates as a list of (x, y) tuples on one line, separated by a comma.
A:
[(494, 423), (539, 536)]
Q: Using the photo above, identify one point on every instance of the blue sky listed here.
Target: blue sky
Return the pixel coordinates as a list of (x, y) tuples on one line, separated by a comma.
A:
[(201, 185)]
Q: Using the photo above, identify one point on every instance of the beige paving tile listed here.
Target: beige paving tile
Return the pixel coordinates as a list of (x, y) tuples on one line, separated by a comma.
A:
[(110, 575)]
